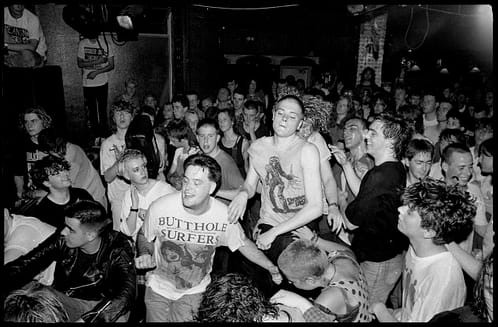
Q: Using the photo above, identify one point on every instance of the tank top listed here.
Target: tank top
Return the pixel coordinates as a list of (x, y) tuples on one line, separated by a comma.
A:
[(236, 153)]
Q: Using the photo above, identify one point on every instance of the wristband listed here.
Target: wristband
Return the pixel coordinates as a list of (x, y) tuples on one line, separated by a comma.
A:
[(133, 209), (334, 204)]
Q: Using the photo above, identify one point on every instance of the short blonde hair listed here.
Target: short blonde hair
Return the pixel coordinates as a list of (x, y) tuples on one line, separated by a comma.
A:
[(302, 259)]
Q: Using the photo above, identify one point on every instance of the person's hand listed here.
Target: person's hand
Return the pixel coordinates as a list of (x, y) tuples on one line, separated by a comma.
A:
[(237, 207), (134, 196), (145, 261), (91, 75), (251, 126), (339, 154), (303, 233), (335, 219), (265, 239), (275, 275), (291, 299)]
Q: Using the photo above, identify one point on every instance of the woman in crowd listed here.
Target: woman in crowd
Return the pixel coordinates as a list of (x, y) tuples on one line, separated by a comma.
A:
[(231, 142), (343, 111)]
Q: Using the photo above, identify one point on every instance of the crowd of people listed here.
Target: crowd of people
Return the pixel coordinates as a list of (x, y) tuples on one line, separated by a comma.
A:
[(319, 204)]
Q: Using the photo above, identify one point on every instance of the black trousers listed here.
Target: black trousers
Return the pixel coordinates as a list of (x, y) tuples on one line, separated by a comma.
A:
[(96, 105)]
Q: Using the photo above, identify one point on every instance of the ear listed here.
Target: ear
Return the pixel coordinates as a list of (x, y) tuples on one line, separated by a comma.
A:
[(429, 234), (212, 188), (405, 162), (218, 137), (91, 235), (444, 166)]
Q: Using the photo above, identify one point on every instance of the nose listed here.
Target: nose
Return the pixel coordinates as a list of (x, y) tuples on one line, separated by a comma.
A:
[(64, 231)]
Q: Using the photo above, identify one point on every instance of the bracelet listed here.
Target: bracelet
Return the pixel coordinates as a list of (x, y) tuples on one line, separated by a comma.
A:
[(133, 209)]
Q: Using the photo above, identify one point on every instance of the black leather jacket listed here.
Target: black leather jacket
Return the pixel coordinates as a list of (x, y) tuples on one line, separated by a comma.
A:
[(112, 277)]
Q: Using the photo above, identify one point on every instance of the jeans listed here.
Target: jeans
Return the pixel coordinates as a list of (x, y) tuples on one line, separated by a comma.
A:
[(96, 104), (381, 277), (161, 309)]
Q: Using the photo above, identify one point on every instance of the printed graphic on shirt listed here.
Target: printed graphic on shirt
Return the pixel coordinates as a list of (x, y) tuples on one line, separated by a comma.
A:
[(283, 188), (94, 53), (187, 249), (409, 298), (31, 158), (16, 35)]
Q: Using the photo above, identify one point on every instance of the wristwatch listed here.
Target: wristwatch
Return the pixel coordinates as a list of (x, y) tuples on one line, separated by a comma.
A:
[(133, 209)]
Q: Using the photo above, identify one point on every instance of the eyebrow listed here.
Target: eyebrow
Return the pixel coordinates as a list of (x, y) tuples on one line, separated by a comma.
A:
[(66, 225)]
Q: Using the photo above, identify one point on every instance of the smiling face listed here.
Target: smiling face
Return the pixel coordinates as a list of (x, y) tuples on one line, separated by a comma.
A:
[(287, 117), (459, 165), (375, 139), (33, 124), (196, 188), (59, 181), (208, 139)]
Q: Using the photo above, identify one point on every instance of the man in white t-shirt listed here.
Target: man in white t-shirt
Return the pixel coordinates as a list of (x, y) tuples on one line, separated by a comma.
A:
[(110, 151), (432, 215), (96, 59), (23, 37), (186, 228)]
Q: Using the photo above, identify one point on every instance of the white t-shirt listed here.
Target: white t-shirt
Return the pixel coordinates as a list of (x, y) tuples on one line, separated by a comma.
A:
[(430, 285), (25, 240), (91, 50), (159, 189), (20, 30), (185, 244), (109, 150)]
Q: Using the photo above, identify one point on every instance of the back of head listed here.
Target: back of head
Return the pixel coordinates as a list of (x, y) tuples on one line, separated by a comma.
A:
[(90, 213), (447, 210), (234, 298), (36, 303), (301, 259), (140, 136)]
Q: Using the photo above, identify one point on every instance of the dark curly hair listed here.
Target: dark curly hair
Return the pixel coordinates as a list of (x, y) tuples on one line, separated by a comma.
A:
[(48, 166), (447, 210), (395, 129), (234, 298)]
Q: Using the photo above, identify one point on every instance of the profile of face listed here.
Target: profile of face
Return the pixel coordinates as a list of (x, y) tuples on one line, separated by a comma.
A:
[(409, 222), (419, 166), (168, 113), (196, 188), (33, 124), (223, 94), (486, 164), (224, 121), (459, 168), (483, 133), (75, 235), (208, 139), (193, 101), (179, 110), (136, 171), (287, 117), (192, 120), (354, 134), (122, 119), (375, 139)]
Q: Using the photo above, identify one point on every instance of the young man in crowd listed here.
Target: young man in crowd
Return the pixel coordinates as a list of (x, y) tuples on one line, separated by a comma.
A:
[(94, 275), (431, 123), (418, 160), (180, 106), (186, 228), (252, 128), (122, 113), (372, 215), (289, 170), (432, 215), (193, 103)]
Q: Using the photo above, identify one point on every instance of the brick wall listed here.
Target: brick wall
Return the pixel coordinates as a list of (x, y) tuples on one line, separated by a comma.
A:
[(372, 35)]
